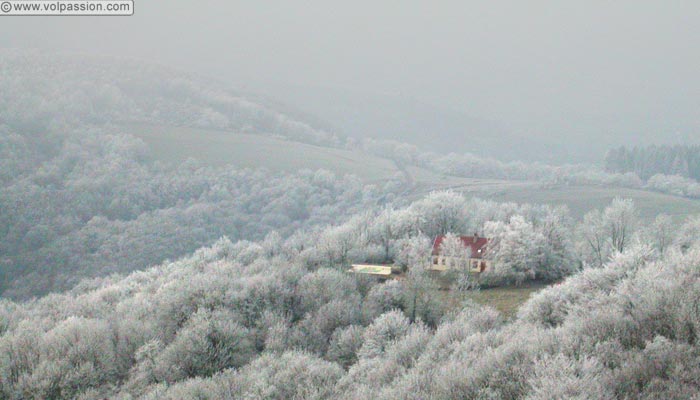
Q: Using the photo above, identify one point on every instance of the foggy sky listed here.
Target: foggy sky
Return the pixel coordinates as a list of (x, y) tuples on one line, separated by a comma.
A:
[(585, 68)]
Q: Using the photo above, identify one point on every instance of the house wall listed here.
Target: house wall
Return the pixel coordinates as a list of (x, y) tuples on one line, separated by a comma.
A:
[(443, 263)]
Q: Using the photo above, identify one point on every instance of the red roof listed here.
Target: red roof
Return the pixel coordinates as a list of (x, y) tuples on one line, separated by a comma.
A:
[(475, 243)]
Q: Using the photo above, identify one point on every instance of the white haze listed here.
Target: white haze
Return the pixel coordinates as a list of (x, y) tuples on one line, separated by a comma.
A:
[(557, 81)]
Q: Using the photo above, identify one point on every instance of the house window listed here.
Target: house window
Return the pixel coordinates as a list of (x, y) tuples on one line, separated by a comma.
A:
[(435, 260)]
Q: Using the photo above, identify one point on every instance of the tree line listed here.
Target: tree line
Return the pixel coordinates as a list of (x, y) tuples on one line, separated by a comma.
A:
[(679, 160)]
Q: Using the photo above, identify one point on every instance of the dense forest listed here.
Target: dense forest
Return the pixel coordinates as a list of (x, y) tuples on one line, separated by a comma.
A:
[(89, 204), (648, 161), (280, 318), (77, 202)]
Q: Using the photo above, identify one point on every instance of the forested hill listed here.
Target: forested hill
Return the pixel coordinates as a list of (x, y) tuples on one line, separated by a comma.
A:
[(96, 206), (80, 198), (50, 92), (281, 319)]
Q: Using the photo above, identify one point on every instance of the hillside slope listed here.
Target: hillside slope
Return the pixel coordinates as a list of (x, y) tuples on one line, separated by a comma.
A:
[(219, 147), (94, 91)]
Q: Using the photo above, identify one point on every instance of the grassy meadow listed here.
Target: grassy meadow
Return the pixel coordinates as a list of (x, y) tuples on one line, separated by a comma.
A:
[(176, 144)]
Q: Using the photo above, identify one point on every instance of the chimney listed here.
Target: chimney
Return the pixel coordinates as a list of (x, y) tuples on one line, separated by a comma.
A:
[(476, 237)]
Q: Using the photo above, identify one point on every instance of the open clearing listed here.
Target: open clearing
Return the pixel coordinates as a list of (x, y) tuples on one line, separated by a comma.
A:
[(176, 144), (507, 300), (581, 199)]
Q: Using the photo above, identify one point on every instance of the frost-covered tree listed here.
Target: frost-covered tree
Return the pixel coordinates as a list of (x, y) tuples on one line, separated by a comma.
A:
[(688, 233), (420, 298), (336, 243), (414, 251), (609, 231), (560, 260), (345, 345), (385, 231), (440, 213), (661, 233), (382, 332), (594, 247), (620, 220), (383, 298), (208, 343), (292, 375), (517, 250)]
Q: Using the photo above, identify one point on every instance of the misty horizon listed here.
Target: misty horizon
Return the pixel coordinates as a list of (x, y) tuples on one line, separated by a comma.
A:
[(576, 78)]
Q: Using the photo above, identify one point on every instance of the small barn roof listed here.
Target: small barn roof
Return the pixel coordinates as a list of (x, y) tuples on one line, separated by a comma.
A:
[(377, 270), (475, 243)]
